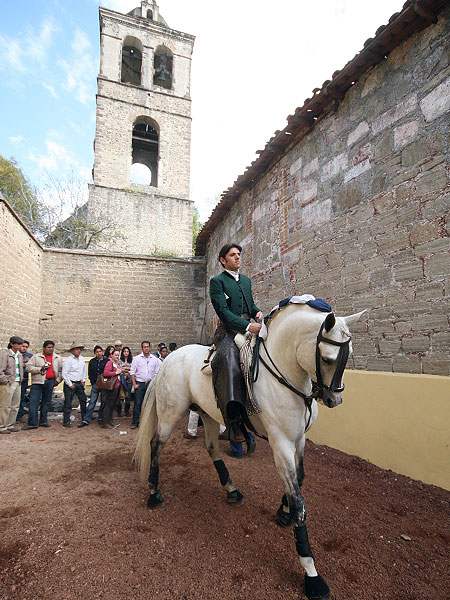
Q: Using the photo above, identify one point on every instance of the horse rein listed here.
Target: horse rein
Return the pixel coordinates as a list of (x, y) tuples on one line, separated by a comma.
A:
[(317, 387)]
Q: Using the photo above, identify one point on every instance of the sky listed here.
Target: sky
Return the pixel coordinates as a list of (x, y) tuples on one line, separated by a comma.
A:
[(254, 62)]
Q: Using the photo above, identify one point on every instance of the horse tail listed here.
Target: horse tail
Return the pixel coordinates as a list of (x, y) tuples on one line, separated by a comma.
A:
[(148, 423)]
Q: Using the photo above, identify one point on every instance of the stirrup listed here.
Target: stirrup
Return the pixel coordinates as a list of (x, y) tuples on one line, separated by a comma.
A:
[(230, 433)]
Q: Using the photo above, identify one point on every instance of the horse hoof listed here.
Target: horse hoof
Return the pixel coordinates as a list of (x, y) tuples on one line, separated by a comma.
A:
[(155, 499), (234, 497), (316, 588), (283, 518)]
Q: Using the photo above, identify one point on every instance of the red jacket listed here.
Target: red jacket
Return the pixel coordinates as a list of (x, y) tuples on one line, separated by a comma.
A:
[(110, 370)]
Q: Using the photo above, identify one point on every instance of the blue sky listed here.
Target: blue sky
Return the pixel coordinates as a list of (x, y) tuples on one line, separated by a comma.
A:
[(253, 64)]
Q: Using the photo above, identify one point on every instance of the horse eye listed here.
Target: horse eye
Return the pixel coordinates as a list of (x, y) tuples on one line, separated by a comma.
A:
[(327, 361)]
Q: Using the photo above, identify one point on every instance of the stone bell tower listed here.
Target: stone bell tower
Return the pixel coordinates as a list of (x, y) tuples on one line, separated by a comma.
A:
[(143, 132)]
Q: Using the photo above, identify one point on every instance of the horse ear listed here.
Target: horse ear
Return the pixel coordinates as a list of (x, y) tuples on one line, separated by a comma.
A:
[(353, 318), (330, 322)]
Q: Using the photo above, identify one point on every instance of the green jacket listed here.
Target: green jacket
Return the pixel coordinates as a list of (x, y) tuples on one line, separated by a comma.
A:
[(228, 300)]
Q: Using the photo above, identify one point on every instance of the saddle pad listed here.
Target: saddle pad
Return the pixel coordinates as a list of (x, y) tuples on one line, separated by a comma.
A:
[(308, 299)]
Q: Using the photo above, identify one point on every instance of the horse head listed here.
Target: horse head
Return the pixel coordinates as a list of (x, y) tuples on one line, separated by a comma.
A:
[(333, 348)]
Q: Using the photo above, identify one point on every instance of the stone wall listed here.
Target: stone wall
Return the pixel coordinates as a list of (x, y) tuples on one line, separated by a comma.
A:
[(357, 212), (93, 298), (118, 107), (100, 298), (20, 278), (147, 222)]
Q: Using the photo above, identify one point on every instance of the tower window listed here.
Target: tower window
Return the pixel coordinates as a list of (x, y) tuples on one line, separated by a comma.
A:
[(131, 65), (145, 142), (150, 15), (163, 66)]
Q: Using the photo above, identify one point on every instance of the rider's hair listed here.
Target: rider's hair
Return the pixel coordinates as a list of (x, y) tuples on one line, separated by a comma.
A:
[(225, 249)]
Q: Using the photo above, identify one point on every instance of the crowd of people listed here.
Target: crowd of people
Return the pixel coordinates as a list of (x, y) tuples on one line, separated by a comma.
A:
[(129, 378)]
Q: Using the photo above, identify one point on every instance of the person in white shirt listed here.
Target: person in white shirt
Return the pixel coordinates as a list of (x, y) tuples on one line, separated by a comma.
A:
[(74, 375), (143, 368)]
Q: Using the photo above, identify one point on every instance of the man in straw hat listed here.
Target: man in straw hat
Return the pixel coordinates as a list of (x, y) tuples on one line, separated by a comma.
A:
[(74, 375)]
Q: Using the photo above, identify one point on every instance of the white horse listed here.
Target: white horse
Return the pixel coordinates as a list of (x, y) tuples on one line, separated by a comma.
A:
[(303, 346)]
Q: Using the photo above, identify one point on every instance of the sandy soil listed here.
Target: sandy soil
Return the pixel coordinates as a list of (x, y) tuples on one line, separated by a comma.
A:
[(74, 524)]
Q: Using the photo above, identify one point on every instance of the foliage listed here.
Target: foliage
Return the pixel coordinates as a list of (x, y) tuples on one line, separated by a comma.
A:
[(57, 214), (21, 195), (196, 226), (70, 223)]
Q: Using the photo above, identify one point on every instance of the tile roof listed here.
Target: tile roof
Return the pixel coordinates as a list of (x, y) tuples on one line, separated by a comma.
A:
[(414, 16)]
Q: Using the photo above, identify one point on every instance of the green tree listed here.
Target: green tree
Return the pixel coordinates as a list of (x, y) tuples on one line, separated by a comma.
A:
[(24, 199), (196, 226)]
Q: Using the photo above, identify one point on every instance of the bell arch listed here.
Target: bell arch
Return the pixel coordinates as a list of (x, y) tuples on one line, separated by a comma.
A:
[(145, 148), (163, 67), (131, 68)]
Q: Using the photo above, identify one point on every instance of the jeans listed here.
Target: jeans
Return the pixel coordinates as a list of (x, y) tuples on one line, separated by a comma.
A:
[(95, 393), (40, 396), (23, 392), (138, 397), (128, 386), (68, 397), (237, 446)]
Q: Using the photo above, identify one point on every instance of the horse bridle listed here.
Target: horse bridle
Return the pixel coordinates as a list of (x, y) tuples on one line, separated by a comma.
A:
[(317, 387)]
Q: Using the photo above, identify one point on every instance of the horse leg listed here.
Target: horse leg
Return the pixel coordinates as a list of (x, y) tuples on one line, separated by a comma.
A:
[(234, 496), (285, 459), (155, 496), (162, 434), (283, 515)]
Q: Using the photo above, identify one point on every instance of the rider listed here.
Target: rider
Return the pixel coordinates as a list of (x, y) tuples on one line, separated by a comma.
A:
[(231, 297)]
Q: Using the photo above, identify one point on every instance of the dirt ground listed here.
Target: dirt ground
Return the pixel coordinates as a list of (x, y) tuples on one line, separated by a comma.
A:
[(74, 524)]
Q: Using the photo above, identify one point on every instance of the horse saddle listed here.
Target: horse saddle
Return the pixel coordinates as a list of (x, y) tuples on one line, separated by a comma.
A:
[(239, 339)]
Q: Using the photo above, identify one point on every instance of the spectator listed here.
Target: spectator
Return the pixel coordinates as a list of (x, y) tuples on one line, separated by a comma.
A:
[(108, 351), (95, 368), (118, 346), (163, 352), (157, 353), (236, 447), (111, 369), (11, 373), (46, 372), (172, 347), (192, 427), (126, 358), (143, 368), (24, 383), (74, 375)]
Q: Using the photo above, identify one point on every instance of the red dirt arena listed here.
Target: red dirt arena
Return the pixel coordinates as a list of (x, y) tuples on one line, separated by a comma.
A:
[(74, 524)]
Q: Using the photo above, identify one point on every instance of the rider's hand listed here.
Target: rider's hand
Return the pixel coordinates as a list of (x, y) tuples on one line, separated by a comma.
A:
[(259, 317), (254, 327)]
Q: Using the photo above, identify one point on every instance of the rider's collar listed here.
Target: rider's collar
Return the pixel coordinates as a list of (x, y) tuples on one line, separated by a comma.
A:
[(234, 274)]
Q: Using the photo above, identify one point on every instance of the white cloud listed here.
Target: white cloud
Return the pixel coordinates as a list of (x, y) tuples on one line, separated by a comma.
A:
[(122, 6), (80, 70), (15, 139), (50, 88), (57, 157), (27, 49)]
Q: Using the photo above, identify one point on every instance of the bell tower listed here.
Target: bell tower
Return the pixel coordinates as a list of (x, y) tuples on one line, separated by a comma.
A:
[(143, 131)]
